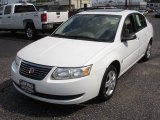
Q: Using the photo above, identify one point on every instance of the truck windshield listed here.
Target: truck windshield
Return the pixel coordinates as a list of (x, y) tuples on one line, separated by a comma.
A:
[(92, 27)]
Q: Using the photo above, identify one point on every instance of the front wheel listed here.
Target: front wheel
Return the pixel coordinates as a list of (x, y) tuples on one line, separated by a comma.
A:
[(108, 83), (30, 32)]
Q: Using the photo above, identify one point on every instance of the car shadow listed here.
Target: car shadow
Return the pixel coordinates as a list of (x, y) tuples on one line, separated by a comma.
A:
[(18, 36), (13, 101)]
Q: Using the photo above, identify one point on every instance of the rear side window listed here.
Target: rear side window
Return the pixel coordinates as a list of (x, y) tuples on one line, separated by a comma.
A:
[(7, 10), (24, 8), (51, 8), (140, 21), (1, 10)]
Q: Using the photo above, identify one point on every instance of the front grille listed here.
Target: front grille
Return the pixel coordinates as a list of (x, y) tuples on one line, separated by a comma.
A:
[(38, 72)]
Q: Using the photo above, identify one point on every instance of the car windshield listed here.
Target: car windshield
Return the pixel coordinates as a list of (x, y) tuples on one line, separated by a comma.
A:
[(92, 27)]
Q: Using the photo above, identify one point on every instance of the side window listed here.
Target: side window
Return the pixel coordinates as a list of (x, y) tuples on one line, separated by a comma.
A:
[(24, 8), (7, 10), (1, 10), (140, 21), (128, 27)]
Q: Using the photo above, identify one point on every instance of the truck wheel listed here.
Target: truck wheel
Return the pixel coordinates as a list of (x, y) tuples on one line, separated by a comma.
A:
[(108, 84), (13, 32), (31, 32)]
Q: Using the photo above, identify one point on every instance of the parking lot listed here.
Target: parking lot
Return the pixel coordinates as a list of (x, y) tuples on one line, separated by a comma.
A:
[(137, 95)]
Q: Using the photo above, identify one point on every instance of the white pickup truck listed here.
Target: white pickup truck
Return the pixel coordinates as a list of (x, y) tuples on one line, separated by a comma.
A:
[(25, 17)]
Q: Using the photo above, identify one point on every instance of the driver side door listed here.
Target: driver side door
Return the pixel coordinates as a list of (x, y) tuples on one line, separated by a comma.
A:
[(129, 48)]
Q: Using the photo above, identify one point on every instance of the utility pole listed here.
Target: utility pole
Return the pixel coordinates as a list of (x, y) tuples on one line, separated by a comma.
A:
[(126, 4), (69, 5)]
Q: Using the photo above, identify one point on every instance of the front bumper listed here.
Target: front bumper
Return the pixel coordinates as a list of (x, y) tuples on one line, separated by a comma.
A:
[(60, 91)]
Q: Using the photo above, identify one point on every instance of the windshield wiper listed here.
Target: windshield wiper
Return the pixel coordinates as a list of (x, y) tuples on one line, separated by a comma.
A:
[(74, 37), (58, 35), (81, 37)]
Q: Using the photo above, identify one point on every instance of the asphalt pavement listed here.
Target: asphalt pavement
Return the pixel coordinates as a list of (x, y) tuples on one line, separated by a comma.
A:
[(137, 96)]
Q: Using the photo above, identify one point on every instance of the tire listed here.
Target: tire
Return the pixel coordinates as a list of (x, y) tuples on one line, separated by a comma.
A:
[(31, 32), (13, 32), (147, 55), (108, 84)]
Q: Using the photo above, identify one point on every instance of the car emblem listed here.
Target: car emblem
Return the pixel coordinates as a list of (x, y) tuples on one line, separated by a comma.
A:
[(31, 70)]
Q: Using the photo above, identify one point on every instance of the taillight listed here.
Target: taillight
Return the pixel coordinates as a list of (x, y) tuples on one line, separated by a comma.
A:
[(44, 17)]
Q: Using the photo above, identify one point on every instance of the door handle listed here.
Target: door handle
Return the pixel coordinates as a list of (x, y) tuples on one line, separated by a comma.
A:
[(9, 16)]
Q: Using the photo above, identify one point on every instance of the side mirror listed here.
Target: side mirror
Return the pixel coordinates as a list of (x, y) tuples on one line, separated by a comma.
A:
[(128, 37)]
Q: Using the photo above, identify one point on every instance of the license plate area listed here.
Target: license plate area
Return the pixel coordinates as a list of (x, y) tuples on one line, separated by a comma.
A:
[(27, 87)]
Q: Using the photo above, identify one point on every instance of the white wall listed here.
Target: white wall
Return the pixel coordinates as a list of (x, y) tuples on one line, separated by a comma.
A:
[(76, 3)]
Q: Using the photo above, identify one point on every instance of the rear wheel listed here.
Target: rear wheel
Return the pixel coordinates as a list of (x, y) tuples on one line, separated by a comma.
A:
[(147, 55), (31, 32), (13, 32), (108, 84)]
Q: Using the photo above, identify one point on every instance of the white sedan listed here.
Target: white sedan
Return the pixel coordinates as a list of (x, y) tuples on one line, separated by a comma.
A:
[(84, 57)]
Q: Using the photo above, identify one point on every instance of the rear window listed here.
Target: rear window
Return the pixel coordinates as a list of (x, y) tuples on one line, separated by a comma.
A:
[(51, 8), (24, 8)]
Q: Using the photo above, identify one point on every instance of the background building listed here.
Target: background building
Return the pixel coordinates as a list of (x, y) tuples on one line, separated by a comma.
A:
[(131, 4), (76, 4), (154, 4)]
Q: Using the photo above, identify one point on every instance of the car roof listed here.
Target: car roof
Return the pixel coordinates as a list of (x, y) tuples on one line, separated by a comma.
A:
[(120, 12)]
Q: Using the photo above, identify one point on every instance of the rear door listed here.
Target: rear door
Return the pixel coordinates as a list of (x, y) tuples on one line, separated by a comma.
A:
[(22, 12), (130, 48), (142, 32)]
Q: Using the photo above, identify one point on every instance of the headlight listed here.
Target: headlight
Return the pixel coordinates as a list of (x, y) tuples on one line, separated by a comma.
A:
[(17, 61), (71, 73)]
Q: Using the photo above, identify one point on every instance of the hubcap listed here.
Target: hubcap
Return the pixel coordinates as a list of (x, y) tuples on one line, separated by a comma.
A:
[(29, 32), (149, 51), (110, 83)]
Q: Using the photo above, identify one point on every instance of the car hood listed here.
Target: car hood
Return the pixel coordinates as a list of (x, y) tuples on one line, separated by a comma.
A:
[(61, 52)]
